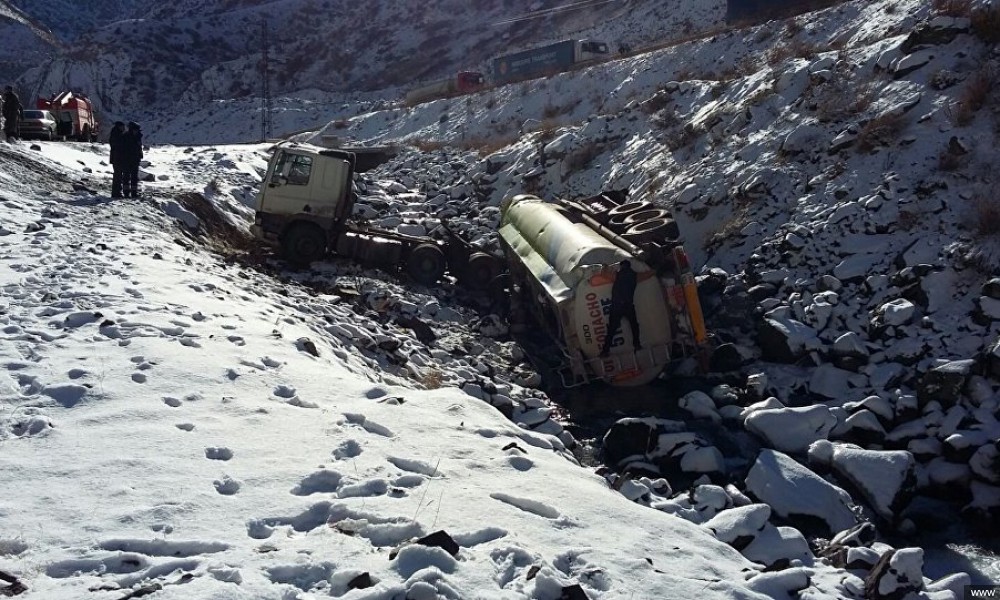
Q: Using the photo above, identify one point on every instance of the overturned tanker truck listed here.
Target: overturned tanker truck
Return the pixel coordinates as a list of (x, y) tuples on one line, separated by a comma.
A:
[(561, 259)]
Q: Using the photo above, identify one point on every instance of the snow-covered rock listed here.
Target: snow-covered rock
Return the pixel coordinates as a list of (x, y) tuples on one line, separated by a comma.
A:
[(791, 429), (792, 490)]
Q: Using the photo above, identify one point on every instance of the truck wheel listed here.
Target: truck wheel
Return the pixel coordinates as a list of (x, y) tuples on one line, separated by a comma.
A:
[(655, 230), (303, 244), (646, 215), (426, 264), (617, 215), (481, 270)]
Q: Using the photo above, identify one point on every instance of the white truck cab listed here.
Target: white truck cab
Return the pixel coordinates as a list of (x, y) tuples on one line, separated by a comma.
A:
[(305, 200)]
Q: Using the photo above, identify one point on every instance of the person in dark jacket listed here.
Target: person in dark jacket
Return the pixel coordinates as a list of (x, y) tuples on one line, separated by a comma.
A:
[(131, 157), (116, 143), (622, 306), (12, 112)]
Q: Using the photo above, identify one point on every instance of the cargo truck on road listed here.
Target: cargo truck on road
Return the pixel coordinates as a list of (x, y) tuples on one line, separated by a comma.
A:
[(546, 60)]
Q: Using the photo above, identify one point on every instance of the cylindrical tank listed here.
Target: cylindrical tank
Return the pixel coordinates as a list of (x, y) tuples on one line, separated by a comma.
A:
[(575, 268)]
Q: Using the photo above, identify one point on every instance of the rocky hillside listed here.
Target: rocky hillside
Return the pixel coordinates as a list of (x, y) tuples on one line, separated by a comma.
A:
[(196, 52), (832, 177)]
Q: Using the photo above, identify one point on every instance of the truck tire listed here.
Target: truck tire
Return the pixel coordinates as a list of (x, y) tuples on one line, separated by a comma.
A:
[(654, 230), (425, 264), (646, 215), (617, 215), (303, 243), (481, 269)]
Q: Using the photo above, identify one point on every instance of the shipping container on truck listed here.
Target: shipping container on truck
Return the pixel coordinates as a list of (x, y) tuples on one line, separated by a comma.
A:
[(465, 82), (546, 60)]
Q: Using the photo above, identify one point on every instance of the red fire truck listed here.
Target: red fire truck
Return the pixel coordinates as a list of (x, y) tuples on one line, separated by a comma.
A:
[(74, 113)]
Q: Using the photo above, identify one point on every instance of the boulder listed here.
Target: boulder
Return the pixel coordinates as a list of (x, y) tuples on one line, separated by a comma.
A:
[(885, 478), (891, 314), (945, 382), (794, 492), (936, 32), (775, 546), (985, 463), (784, 339), (791, 429), (849, 351), (837, 552), (739, 526)]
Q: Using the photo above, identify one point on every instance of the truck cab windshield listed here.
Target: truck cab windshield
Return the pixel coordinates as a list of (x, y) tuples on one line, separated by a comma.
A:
[(295, 168)]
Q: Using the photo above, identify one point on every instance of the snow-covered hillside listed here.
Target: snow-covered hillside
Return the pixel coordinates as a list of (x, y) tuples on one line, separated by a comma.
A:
[(831, 177), (199, 52)]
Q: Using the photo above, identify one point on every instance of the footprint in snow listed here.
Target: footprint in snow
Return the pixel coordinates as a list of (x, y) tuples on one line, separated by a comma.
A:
[(368, 425), (414, 466), (527, 505), (159, 547), (347, 449), (218, 453), (320, 482), (239, 341), (185, 426), (172, 402), (139, 377), (521, 463), (284, 391), (227, 486)]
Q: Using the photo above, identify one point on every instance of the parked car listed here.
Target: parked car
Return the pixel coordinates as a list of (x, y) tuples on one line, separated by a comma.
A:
[(38, 123)]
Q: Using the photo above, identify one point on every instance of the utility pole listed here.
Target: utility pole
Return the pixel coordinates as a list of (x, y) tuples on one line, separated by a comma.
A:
[(265, 91)]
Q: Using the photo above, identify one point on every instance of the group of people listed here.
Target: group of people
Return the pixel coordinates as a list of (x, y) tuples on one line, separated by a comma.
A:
[(126, 154), (12, 111)]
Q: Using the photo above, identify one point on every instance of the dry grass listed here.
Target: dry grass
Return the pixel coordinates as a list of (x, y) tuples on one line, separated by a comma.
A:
[(985, 215), (792, 49), (683, 138), (950, 161), (985, 24), (428, 145), (974, 96), (658, 101), (582, 157), (487, 146), (908, 220), (551, 111), (729, 229), (880, 131), (952, 8), (431, 380), (843, 99)]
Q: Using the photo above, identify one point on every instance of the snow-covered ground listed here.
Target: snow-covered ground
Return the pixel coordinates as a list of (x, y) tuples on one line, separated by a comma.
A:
[(164, 418), (831, 177)]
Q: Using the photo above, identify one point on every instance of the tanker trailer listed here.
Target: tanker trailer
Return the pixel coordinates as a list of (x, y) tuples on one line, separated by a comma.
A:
[(562, 264)]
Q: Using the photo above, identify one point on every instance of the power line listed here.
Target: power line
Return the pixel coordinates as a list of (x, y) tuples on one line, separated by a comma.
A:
[(265, 91), (539, 14)]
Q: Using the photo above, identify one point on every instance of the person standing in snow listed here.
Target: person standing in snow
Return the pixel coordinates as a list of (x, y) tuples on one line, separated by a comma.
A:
[(116, 143), (622, 306), (131, 157), (12, 112)]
